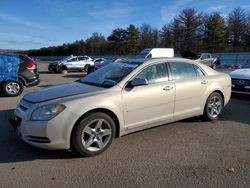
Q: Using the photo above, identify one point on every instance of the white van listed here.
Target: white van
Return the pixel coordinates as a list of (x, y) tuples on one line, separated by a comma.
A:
[(156, 52)]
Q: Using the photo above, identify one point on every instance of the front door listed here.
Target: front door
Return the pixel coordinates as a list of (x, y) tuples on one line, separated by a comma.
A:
[(152, 103)]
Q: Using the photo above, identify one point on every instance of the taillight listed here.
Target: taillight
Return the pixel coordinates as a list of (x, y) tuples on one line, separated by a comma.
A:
[(31, 65)]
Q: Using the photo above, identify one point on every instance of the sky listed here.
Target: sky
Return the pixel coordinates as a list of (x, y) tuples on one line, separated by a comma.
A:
[(32, 24)]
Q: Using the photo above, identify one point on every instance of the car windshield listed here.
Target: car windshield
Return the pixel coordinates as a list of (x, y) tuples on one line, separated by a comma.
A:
[(109, 75), (66, 58)]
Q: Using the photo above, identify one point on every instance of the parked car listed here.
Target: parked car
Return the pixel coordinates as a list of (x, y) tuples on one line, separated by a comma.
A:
[(205, 58), (17, 71), (71, 63), (99, 60), (241, 79), (118, 99), (156, 53), (103, 62)]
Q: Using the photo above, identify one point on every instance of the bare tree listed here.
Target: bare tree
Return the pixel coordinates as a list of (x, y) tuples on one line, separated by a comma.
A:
[(189, 26), (237, 27)]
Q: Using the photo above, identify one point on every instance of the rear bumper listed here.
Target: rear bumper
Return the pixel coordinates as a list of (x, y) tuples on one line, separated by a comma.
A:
[(33, 83)]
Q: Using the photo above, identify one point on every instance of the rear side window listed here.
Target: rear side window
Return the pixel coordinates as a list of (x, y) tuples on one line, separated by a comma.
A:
[(182, 70), (82, 58), (154, 73), (23, 59), (198, 71)]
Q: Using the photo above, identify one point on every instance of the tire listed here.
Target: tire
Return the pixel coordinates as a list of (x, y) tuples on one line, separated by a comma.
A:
[(213, 66), (12, 88), (94, 134), (213, 107), (86, 68), (64, 72)]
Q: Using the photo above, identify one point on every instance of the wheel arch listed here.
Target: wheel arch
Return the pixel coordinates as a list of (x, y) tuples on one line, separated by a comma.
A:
[(103, 110), (221, 93), (21, 79)]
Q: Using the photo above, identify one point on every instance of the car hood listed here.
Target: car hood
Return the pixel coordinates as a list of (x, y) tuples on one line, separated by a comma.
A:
[(241, 74), (59, 91)]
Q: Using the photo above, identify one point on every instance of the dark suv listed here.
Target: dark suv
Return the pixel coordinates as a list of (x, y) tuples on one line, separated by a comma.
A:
[(17, 71)]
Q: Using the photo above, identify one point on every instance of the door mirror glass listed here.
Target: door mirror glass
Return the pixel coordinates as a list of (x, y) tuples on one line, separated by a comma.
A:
[(138, 82)]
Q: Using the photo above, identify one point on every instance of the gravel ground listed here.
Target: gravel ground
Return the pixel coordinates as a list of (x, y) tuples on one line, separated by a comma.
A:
[(189, 153)]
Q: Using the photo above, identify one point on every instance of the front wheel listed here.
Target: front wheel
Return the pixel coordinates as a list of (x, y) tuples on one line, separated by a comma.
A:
[(87, 68), (94, 134), (213, 106), (12, 88)]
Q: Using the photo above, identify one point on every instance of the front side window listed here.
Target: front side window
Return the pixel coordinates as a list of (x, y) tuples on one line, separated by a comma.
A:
[(154, 73), (182, 70), (72, 60)]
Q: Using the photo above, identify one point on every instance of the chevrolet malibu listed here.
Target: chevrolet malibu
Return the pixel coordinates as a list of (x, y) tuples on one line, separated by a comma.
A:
[(118, 99)]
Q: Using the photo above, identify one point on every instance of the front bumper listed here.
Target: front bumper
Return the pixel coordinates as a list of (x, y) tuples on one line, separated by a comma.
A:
[(241, 89), (53, 134), (53, 67)]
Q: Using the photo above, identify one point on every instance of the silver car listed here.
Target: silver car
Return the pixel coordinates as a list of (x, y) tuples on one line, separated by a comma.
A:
[(118, 99)]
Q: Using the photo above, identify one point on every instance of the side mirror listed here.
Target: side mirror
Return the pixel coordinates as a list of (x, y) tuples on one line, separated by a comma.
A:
[(138, 82)]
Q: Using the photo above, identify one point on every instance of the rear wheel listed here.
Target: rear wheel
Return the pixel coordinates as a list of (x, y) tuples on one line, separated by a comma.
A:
[(94, 134), (213, 106), (12, 88)]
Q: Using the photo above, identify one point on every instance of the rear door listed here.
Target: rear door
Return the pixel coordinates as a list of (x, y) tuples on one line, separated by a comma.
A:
[(82, 62), (150, 103), (191, 86)]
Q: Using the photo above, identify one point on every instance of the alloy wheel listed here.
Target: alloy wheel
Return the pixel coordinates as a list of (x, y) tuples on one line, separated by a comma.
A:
[(214, 106), (13, 88), (96, 135)]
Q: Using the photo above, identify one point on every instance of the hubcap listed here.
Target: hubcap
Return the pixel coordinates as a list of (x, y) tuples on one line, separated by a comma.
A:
[(13, 88), (214, 107), (96, 135)]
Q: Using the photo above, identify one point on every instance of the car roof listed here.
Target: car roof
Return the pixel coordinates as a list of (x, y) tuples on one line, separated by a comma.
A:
[(155, 60)]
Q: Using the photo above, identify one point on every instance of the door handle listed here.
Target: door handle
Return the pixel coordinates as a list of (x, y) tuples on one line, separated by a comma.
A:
[(204, 82), (167, 88)]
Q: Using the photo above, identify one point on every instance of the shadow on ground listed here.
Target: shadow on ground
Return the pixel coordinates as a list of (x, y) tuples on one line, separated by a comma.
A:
[(13, 149), (238, 109)]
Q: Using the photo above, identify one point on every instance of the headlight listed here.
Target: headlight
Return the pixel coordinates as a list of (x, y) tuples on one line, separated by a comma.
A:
[(47, 112)]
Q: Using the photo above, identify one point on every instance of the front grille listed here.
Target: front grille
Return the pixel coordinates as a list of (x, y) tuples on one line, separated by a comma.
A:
[(38, 139), (243, 82)]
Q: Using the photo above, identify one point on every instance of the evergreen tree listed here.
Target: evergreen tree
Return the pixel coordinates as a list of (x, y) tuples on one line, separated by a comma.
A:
[(215, 33)]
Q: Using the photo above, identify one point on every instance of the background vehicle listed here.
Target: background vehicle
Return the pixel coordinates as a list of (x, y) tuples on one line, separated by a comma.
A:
[(205, 58), (118, 99), (156, 52), (71, 63), (17, 71), (241, 79), (101, 62)]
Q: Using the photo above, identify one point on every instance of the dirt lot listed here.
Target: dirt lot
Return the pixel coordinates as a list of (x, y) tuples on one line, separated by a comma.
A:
[(190, 153)]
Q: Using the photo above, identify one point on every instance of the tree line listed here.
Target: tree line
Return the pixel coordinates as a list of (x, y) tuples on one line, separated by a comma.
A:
[(189, 31)]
